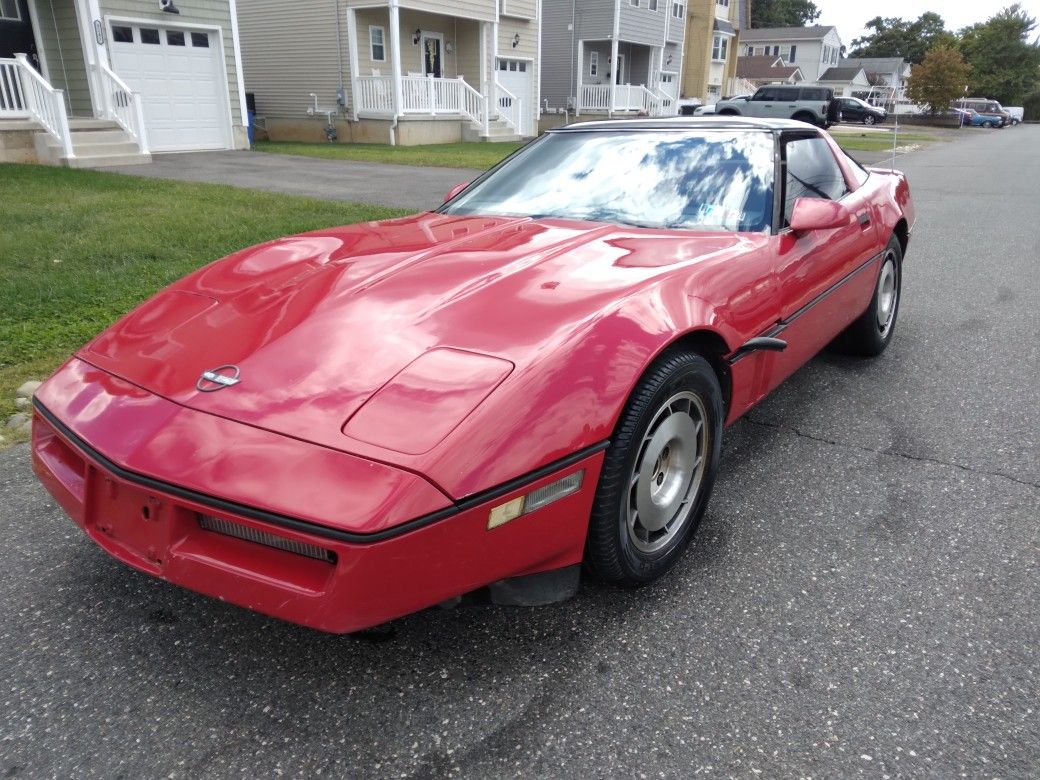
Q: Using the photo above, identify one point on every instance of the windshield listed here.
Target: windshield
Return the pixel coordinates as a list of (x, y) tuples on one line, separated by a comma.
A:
[(705, 180)]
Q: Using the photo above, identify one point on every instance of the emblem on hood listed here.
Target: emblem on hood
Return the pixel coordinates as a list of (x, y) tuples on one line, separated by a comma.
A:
[(218, 378)]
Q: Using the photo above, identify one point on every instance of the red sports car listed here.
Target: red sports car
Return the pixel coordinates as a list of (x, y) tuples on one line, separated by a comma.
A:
[(342, 427)]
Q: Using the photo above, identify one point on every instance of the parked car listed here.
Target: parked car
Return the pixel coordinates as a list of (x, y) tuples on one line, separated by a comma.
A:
[(345, 426), (814, 105), (985, 120), (986, 107), (1017, 113), (688, 106), (856, 110)]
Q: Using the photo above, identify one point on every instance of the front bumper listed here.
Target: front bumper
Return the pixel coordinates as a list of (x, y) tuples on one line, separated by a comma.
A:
[(297, 566)]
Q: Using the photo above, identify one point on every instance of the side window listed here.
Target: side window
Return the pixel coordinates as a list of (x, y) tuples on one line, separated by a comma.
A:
[(766, 94), (812, 172), (786, 93)]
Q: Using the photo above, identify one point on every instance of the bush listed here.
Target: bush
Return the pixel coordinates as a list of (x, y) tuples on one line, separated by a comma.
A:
[(1032, 106)]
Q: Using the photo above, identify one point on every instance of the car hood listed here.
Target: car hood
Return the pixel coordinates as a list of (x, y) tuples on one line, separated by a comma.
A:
[(312, 326)]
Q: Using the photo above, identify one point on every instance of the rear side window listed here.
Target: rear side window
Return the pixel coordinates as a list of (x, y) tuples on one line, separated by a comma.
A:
[(787, 93), (810, 93), (812, 172)]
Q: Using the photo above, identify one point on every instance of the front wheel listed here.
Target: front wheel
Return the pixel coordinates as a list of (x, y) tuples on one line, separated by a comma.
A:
[(658, 473), (869, 119), (987, 124), (871, 333)]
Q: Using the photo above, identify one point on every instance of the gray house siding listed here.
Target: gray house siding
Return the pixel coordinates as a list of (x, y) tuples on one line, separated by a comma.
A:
[(641, 25)]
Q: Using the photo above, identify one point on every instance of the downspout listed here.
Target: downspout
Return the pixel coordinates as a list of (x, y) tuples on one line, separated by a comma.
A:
[(342, 96), (574, 54)]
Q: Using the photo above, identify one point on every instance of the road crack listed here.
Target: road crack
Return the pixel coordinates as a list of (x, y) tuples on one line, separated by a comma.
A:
[(893, 453)]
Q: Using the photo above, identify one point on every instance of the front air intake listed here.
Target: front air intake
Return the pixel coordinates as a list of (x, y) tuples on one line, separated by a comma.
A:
[(246, 533)]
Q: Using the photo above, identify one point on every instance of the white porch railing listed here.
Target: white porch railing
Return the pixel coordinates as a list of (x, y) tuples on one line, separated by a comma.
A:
[(25, 94), (123, 106), (421, 95), (627, 97), (509, 107)]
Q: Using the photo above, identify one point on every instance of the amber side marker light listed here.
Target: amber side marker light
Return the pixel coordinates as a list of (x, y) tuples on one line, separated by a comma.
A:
[(536, 499)]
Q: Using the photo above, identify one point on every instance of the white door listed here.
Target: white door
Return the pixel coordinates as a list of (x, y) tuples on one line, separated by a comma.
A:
[(670, 87), (180, 76), (517, 76)]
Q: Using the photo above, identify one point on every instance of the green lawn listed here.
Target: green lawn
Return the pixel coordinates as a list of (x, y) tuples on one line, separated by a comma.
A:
[(80, 248), (878, 142), (465, 155)]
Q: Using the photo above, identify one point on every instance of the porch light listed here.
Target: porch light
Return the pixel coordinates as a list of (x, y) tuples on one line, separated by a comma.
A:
[(449, 47), (168, 7), (416, 36), (516, 40)]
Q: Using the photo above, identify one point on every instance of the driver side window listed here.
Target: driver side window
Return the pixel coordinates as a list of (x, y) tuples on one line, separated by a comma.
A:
[(812, 172)]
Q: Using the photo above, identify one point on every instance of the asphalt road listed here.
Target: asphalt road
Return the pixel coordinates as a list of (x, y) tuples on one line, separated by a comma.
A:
[(863, 598)]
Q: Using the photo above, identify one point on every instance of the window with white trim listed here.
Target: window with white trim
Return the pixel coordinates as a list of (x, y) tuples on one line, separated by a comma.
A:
[(652, 5), (679, 9), (719, 47), (634, 2), (10, 11), (377, 43), (723, 3), (594, 63)]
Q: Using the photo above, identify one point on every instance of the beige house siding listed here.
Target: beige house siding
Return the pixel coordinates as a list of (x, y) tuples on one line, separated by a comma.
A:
[(470, 9), (212, 13), (63, 53), (288, 51)]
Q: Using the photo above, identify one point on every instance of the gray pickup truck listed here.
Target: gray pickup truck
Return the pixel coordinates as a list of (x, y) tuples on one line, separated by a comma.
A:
[(815, 105)]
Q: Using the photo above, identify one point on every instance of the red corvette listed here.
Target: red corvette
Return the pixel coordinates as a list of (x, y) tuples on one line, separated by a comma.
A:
[(343, 427)]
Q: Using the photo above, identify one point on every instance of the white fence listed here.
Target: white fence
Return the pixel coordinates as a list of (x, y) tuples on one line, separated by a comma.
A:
[(595, 98), (420, 95), (123, 106), (509, 107), (25, 94)]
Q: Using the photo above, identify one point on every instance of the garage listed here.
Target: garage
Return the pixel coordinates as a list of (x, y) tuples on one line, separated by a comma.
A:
[(180, 75), (517, 76)]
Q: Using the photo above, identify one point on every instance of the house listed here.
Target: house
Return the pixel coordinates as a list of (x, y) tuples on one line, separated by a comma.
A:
[(767, 69), (812, 49), (713, 29), (403, 72), (104, 82), (613, 56), (845, 81), (887, 76)]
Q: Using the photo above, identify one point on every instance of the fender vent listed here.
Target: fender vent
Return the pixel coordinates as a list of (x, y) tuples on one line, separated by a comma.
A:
[(238, 531)]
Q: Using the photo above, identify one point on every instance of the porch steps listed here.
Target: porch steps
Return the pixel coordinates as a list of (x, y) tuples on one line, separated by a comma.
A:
[(96, 143), (498, 132)]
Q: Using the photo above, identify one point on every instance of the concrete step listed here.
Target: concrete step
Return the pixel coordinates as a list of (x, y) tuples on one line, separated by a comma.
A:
[(93, 138), (92, 124), (105, 150), (106, 160)]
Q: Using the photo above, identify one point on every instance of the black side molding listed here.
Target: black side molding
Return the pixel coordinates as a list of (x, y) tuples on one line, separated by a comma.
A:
[(766, 343)]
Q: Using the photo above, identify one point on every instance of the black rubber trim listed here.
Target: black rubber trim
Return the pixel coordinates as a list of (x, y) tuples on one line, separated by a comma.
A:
[(305, 526), (775, 331)]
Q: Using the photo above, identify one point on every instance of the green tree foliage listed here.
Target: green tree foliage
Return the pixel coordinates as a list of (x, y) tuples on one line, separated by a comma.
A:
[(1005, 66), (1031, 105), (939, 79), (892, 37), (783, 13)]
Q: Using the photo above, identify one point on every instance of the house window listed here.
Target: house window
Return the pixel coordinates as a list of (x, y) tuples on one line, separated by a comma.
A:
[(121, 34), (723, 3), (634, 3), (679, 10), (792, 54), (9, 10), (594, 63), (200, 40), (149, 35), (719, 47), (377, 41), (652, 5), (174, 38)]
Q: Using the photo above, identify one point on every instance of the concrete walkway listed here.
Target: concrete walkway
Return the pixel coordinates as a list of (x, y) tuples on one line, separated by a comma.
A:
[(405, 186)]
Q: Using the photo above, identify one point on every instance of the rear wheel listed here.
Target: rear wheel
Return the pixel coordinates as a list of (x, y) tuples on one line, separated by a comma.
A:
[(871, 333), (987, 124), (869, 119), (658, 473), (803, 116)]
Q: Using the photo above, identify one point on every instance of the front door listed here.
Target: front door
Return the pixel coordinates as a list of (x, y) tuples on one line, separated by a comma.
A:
[(16, 32), (432, 46)]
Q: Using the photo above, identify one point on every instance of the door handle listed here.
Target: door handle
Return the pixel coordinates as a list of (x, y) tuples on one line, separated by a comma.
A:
[(863, 219)]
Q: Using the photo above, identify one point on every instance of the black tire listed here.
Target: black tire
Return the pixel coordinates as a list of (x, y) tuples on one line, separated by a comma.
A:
[(804, 116), (872, 332), (869, 119), (659, 460), (987, 124), (728, 112)]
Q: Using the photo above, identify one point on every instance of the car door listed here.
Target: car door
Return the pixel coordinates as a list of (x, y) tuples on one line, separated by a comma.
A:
[(816, 270)]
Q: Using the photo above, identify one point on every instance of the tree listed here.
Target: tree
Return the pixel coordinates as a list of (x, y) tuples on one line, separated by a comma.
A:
[(892, 37), (939, 79), (1005, 66), (783, 13)]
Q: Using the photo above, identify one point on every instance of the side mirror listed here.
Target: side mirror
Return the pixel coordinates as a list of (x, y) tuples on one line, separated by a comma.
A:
[(455, 190), (818, 214)]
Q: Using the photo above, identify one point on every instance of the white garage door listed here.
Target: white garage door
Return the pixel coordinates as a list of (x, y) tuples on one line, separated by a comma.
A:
[(517, 76), (182, 82)]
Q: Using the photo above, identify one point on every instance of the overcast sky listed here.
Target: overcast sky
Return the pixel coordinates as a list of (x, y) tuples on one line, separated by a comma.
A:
[(849, 17)]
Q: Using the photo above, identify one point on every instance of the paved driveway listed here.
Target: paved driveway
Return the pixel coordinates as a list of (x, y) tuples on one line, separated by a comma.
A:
[(406, 186), (862, 599)]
